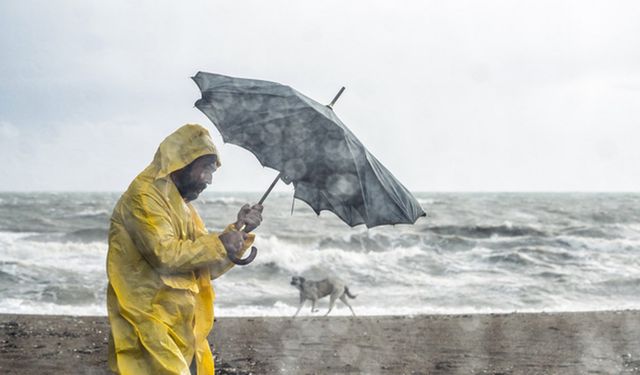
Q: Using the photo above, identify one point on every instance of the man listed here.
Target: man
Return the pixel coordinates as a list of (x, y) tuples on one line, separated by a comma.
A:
[(161, 259)]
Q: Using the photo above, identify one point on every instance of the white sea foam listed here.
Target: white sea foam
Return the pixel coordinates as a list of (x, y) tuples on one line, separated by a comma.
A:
[(426, 202), (90, 212), (297, 259), (287, 310), (22, 306), (476, 253), (82, 258)]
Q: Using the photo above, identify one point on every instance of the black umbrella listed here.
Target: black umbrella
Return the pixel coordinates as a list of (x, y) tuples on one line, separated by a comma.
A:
[(305, 140)]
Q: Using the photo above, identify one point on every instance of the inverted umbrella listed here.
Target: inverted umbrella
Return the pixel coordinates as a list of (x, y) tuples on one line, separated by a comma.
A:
[(329, 167)]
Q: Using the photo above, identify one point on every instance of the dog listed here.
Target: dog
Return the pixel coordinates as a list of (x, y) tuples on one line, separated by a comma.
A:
[(314, 290)]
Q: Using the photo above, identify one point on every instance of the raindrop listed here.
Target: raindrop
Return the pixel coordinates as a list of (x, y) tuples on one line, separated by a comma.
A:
[(239, 137), (342, 186), (295, 169), (301, 134), (251, 102), (335, 151), (271, 135)]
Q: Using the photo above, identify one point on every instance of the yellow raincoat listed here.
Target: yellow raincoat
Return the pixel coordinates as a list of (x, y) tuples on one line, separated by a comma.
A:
[(160, 262)]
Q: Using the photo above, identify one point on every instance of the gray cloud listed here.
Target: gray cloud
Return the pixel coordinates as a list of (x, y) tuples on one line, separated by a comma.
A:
[(497, 95)]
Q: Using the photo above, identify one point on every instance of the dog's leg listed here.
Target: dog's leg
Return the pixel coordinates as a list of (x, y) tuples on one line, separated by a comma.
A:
[(332, 302), (343, 298), (313, 305), (299, 307)]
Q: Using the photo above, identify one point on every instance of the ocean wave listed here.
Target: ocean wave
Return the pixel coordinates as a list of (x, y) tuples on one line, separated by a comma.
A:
[(90, 213), (454, 243), (25, 306), (226, 201), (81, 235), (554, 276), (591, 232), (475, 253), (514, 262), (295, 259), (7, 279), (21, 223), (551, 256), (428, 201), (516, 258), (487, 231), (620, 285), (598, 245), (71, 294), (520, 258), (87, 235), (81, 258), (367, 241)]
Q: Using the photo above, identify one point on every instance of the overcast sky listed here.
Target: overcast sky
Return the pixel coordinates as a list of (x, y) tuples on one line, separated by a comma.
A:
[(449, 95)]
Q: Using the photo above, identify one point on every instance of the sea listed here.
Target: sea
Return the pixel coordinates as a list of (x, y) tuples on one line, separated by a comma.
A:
[(472, 253)]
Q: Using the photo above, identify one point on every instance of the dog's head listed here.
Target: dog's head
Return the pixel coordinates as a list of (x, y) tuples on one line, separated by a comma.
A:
[(297, 281)]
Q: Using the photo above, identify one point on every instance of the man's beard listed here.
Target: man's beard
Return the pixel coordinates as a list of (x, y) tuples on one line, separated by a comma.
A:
[(189, 190)]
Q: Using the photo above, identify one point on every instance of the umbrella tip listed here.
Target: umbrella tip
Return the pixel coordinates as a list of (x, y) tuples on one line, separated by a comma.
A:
[(335, 99)]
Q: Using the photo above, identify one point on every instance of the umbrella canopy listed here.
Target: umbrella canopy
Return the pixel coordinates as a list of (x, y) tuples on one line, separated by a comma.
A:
[(305, 140)]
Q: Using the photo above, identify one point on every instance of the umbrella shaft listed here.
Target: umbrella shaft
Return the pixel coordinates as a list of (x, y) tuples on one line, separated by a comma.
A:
[(266, 193)]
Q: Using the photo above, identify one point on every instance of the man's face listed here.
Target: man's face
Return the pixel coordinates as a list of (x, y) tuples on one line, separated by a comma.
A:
[(194, 178)]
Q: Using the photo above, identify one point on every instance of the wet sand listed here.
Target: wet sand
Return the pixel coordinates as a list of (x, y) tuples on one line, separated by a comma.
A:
[(555, 343)]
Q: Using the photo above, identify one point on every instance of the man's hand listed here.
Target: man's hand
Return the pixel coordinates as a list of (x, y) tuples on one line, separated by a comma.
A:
[(250, 217), (233, 241)]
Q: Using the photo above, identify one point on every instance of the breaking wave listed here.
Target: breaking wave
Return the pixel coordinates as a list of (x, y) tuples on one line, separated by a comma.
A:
[(474, 253)]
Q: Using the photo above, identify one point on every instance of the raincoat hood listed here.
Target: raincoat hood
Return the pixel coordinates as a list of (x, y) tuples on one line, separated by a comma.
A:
[(180, 148)]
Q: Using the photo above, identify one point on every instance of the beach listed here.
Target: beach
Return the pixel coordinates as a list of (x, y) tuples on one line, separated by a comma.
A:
[(519, 343)]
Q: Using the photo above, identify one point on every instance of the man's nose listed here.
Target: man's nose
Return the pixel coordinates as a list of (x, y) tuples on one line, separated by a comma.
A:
[(207, 177)]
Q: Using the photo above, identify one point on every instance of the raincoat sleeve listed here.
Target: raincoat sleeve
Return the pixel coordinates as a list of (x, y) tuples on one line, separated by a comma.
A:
[(149, 225)]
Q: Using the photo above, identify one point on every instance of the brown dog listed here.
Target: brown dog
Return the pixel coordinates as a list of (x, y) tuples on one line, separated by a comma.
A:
[(314, 290)]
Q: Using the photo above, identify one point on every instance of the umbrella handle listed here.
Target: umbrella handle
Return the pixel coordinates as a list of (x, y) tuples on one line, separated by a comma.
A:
[(254, 250), (245, 261)]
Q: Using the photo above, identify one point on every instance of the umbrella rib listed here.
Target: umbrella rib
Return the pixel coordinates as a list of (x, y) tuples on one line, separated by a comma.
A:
[(362, 191)]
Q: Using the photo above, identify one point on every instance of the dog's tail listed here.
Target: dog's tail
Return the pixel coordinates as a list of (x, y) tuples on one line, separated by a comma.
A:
[(346, 291)]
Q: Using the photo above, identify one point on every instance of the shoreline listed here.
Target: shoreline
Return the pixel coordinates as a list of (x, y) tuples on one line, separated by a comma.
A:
[(602, 342)]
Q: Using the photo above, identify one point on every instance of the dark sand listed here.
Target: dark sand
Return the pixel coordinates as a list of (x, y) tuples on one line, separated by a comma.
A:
[(557, 343)]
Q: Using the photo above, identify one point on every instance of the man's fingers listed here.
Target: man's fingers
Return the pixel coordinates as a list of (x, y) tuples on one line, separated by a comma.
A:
[(253, 221), (249, 217), (244, 209), (254, 215)]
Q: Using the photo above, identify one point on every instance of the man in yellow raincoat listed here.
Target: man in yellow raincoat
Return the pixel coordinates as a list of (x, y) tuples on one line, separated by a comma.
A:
[(161, 260)]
